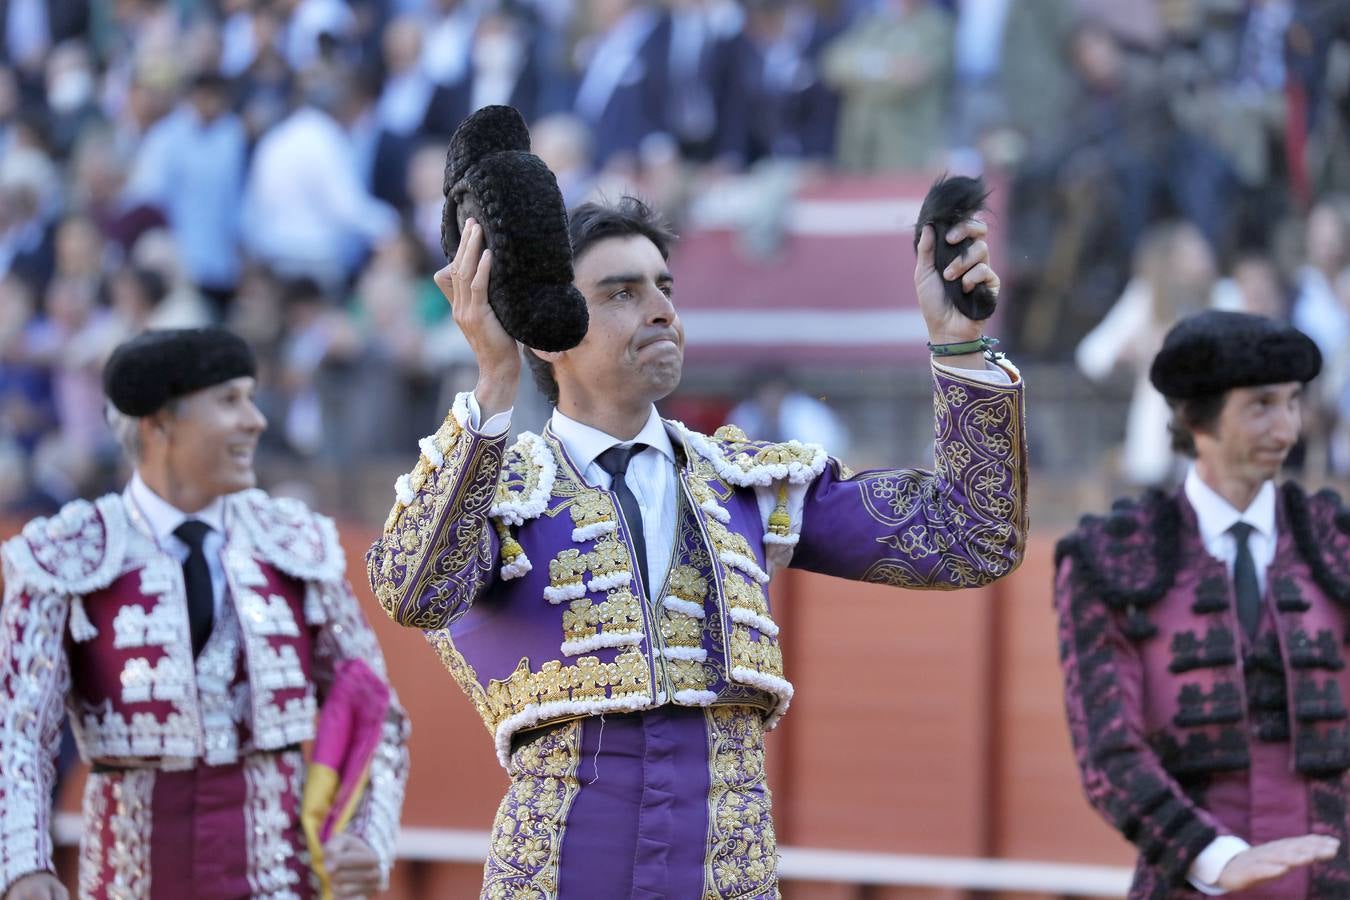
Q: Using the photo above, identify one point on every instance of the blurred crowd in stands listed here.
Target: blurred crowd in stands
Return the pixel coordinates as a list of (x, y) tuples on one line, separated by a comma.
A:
[(276, 165)]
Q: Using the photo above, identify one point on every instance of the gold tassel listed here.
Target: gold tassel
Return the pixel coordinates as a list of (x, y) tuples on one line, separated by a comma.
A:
[(511, 550), (780, 522)]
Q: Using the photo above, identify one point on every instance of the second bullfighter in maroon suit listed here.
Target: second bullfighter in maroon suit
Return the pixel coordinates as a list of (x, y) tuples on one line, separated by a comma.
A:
[(1209, 719)]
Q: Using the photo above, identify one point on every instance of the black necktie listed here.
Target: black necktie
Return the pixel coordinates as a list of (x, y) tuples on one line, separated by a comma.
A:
[(1245, 585), (201, 596), (615, 461)]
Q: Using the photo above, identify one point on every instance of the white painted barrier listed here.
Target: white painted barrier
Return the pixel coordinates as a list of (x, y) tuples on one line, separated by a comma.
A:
[(803, 864)]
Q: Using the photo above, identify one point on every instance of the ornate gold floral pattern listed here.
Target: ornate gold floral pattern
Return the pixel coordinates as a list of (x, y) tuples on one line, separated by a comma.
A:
[(753, 661), (444, 644), (970, 509), (748, 455), (683, 619), (527, 834), (680, 630), (741, 593), (619, 613), (763, 655), (439, 544), (743, 858), (591, 509), (519, 476), (588, 679)]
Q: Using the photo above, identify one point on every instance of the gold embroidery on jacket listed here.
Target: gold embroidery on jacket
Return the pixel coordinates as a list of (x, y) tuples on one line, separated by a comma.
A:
[(592, 508), (620, 612), (741, 593), (432, 537), (743, 857), (527, 834), (763, 655), (568, 569), (974, 458)]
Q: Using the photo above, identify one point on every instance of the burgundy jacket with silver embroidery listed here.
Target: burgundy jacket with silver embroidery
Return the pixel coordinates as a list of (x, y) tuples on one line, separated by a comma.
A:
[(95, 620)]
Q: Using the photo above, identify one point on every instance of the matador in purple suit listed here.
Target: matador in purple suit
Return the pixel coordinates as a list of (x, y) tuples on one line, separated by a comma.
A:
[(599, 590), (191, 628), (1203, 636)]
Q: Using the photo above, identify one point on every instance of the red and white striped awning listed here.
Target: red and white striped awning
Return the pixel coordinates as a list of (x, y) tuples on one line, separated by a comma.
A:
[(838, 290)]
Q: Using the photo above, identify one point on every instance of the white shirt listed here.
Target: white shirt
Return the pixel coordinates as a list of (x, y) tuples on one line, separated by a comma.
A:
[(158, 517), (651, 478), (1318, 312), (1214, 515), (305, 202)]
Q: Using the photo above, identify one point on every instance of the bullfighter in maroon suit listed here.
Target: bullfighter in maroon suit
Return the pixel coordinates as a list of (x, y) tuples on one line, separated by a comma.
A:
[(190, 627), (599, 590), (1203, 637)]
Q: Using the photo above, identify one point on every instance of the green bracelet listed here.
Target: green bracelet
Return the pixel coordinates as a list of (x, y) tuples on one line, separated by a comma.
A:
[(981, 344)]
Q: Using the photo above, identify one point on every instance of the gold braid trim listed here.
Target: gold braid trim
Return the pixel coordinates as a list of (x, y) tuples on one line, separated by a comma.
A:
[(439, 538)]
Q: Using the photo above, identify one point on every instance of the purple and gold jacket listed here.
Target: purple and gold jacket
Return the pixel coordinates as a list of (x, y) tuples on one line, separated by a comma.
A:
[(95, 624), (521, 574), (1166, 696)]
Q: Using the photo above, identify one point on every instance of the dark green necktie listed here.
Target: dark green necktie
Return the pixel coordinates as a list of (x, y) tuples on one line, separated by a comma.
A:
[(1245, 585)]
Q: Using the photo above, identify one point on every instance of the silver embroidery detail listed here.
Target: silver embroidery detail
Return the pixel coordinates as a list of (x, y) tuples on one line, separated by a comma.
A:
[(268, 616), (167, 680), (35, 677), (129, 855), (217, 672), (91, 835), (162, 626), (105, 733), (267, 820)]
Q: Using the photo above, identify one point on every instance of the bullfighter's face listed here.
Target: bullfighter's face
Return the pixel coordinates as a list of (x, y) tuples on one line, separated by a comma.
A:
[(633, 352), (1256, 429)]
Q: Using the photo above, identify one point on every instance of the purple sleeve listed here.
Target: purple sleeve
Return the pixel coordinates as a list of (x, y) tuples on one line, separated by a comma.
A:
[(438, 548), (961, 525)]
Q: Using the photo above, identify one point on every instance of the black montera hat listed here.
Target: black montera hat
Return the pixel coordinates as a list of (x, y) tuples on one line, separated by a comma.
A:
[(1215, 351), (491, 175), (146, 372)]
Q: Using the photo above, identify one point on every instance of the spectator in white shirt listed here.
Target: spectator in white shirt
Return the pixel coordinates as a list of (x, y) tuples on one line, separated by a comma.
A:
[(306, 210)]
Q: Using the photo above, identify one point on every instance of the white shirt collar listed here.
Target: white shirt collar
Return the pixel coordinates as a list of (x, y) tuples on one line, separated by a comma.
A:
[(1215, 515), (163, 517), (584, 443)]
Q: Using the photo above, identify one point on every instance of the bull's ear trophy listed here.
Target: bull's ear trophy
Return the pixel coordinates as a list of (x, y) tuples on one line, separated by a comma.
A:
[(950, 201), (491, 176)]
